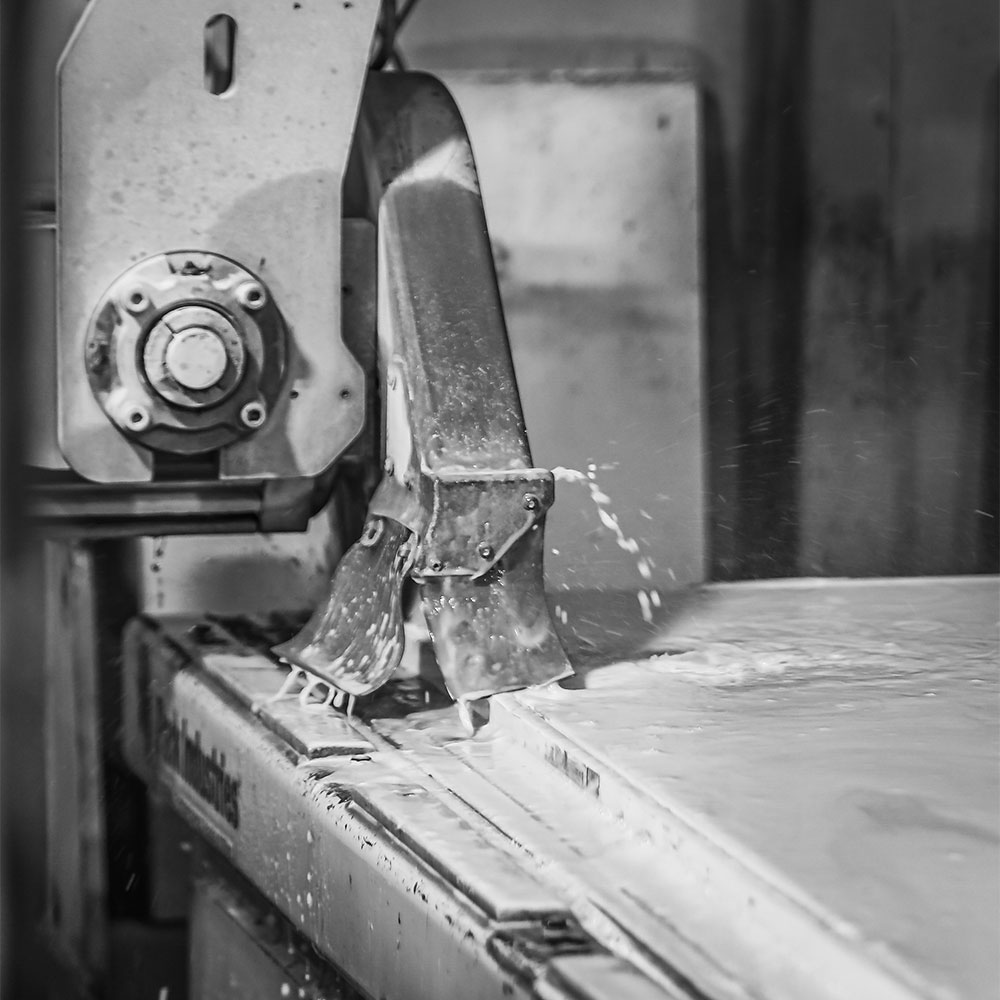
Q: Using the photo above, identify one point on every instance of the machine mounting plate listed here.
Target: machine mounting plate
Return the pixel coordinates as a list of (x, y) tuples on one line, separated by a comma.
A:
[(151, 160)]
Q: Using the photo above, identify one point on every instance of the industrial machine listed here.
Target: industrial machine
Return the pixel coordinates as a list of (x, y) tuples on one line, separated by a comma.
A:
[(275, 295), (275, 291), (209, 373)]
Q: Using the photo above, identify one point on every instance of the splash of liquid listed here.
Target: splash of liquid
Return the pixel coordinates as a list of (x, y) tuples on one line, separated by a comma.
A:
[(648, 598)]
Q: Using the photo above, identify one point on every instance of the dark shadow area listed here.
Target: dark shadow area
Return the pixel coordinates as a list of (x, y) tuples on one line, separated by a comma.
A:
[(22, 778), (722, 379), (774, 198), (989, 507)]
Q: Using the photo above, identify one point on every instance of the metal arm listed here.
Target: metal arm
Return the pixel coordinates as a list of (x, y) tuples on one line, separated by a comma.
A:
[(459, 475)]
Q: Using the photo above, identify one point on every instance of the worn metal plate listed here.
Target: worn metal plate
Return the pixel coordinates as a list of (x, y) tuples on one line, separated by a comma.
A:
[(309, 729), (593, 194), (150, 161)]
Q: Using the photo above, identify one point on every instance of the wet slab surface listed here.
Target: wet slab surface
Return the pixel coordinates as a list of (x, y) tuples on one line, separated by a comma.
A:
[(842, 735)]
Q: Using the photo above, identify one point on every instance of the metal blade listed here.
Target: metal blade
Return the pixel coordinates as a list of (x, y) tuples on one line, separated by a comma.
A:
[(495, 633), (355, 640)]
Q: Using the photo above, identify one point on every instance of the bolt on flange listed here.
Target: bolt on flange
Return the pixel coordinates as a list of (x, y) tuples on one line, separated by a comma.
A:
[(137, 301), (253, 414), (133, 417), (251, 295)]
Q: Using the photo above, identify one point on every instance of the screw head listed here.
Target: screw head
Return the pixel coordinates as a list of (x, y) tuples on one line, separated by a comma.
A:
[(485, 550), (251, 295), (435, 565), (530, 501), (253, 414), (136, 301), (135, 417)]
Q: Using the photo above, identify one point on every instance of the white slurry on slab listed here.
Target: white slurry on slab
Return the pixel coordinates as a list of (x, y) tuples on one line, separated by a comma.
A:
[(847, 734)]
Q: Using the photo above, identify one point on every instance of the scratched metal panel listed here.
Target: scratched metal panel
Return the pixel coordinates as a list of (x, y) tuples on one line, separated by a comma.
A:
[(592, 190)]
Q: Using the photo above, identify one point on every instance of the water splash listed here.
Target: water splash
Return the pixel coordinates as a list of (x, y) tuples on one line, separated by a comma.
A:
[(312, 692), (648, 598)]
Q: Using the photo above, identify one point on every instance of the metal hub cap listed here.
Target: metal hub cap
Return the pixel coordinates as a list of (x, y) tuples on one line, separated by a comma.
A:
[(196, 358)]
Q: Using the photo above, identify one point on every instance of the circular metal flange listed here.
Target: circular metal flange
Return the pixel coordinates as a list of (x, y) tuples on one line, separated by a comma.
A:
[(194, 344)]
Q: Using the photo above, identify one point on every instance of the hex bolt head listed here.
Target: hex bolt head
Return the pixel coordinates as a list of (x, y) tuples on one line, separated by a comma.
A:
[(485, 550), (530, 501), (137, 301), (253, 414), (251, 295)]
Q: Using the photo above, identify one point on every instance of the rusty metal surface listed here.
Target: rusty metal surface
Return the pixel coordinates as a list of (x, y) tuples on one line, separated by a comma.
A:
[(150, 162)]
